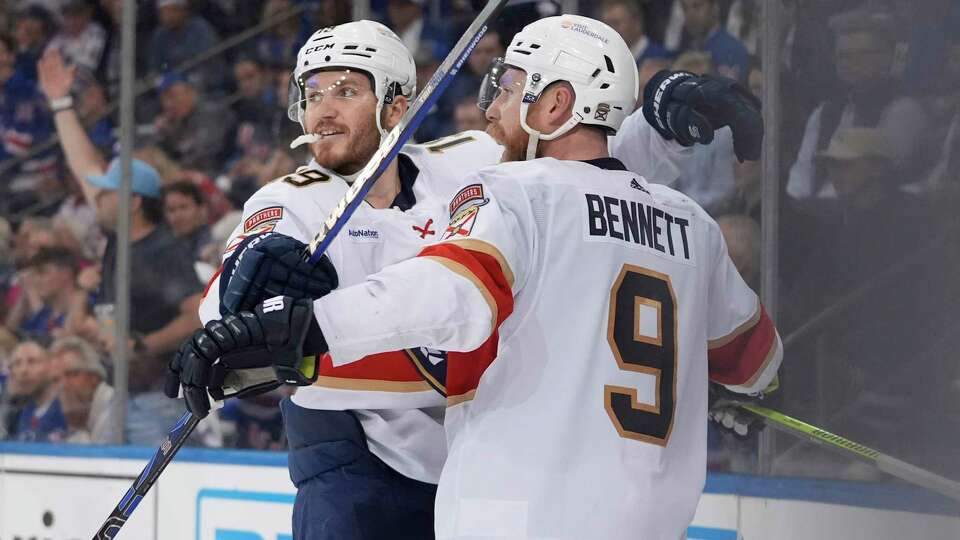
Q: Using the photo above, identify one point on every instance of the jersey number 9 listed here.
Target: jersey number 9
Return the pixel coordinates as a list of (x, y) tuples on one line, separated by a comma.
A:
[(642, 333)]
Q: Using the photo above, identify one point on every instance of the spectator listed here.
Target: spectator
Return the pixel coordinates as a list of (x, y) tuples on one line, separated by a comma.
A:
[(12, 396), (185, 211), (279, 45), (196, 132), (626, 18), (693, 61), (164, 293), (49, 293), (742, 235), (164, 287), (7, 268), (171, 172), (702, 31), (90, 100), (407, 19), (31, 30), (649, 68), (85, 396), (41, 418), (258, 99), (864, 58), (24, 123), (109, 69), (467, 115), (181, 36), (465, 84), (81, 39), (255, 110)]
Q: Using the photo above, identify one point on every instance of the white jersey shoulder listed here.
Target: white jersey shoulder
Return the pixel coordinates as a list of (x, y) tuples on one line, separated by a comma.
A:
[(443, 163)]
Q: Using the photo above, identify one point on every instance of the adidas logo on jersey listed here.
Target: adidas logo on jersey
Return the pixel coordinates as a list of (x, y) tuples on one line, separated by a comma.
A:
[(636, 185)]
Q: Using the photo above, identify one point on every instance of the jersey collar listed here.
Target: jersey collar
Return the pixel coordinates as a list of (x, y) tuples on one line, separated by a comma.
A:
[(609, 163), (408, 173)]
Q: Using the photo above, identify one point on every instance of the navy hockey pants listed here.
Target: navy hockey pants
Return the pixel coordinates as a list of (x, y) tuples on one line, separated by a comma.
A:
[(344, 492)]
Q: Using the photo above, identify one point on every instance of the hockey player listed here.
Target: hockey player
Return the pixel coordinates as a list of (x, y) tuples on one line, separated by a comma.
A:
[(367, 473)]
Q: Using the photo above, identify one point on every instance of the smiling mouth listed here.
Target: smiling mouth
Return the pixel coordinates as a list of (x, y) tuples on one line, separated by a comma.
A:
[(326, 134)]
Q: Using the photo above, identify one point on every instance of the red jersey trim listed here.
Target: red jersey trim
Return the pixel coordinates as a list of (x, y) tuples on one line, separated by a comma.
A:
[(484, 267), (741, 359)]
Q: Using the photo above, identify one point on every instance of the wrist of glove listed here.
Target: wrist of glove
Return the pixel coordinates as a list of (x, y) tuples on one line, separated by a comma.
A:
[(689, 108), (272, 264), (248, 353), (727, 415)]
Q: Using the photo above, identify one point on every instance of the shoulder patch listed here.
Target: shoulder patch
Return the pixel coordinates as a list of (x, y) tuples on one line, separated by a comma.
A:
[(269, 215), (466, 198)]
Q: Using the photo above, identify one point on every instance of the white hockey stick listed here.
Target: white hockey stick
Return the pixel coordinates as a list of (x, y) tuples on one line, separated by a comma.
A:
[(391, 144)]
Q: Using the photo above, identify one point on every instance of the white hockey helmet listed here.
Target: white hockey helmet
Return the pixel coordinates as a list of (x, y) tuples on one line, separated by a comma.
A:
[(366, 46), (584, 52)]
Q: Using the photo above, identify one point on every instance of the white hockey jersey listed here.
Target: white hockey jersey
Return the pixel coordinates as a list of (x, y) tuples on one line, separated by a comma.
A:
[(589, 307), (400, 414)]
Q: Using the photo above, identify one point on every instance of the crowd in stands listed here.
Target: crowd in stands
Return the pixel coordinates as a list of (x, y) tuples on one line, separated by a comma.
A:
[(869, 146)]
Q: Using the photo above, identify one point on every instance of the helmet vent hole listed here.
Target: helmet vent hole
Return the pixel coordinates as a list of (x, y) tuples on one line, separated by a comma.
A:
[(618, 107), (604, 86), (368, 49), (595, 73), (521, 51), (327, 58), (350, 47), (609, 64), (534, 46)]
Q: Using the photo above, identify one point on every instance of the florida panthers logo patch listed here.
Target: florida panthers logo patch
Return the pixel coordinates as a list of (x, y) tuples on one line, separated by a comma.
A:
[(464, 208)]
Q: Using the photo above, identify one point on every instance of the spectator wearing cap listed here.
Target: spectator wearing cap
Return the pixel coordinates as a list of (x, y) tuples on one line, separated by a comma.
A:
[(181, 36), (41, 418), (85, 396), (864, 53), (165, 291), (81, 39), (32, 29), (195, 132), (185, 211), (164, 294), (50, 292)]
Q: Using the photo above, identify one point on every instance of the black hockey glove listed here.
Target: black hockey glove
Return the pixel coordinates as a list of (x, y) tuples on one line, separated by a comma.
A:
[(248, 353), (688, 108), (272, 264), (726, 414)]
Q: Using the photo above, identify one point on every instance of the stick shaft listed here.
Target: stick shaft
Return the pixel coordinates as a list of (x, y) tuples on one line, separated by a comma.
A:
[(169, 448), (888, 464)]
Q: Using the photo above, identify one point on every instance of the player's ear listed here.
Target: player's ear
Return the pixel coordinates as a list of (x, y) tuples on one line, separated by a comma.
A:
[(558, 102), (393, 112)]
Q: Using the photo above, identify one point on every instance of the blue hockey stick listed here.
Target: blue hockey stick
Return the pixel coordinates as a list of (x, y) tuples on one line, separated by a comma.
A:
[(148, 476)]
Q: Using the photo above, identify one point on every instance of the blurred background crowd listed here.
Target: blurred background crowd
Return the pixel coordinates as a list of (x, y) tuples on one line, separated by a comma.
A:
[(869, 146)]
